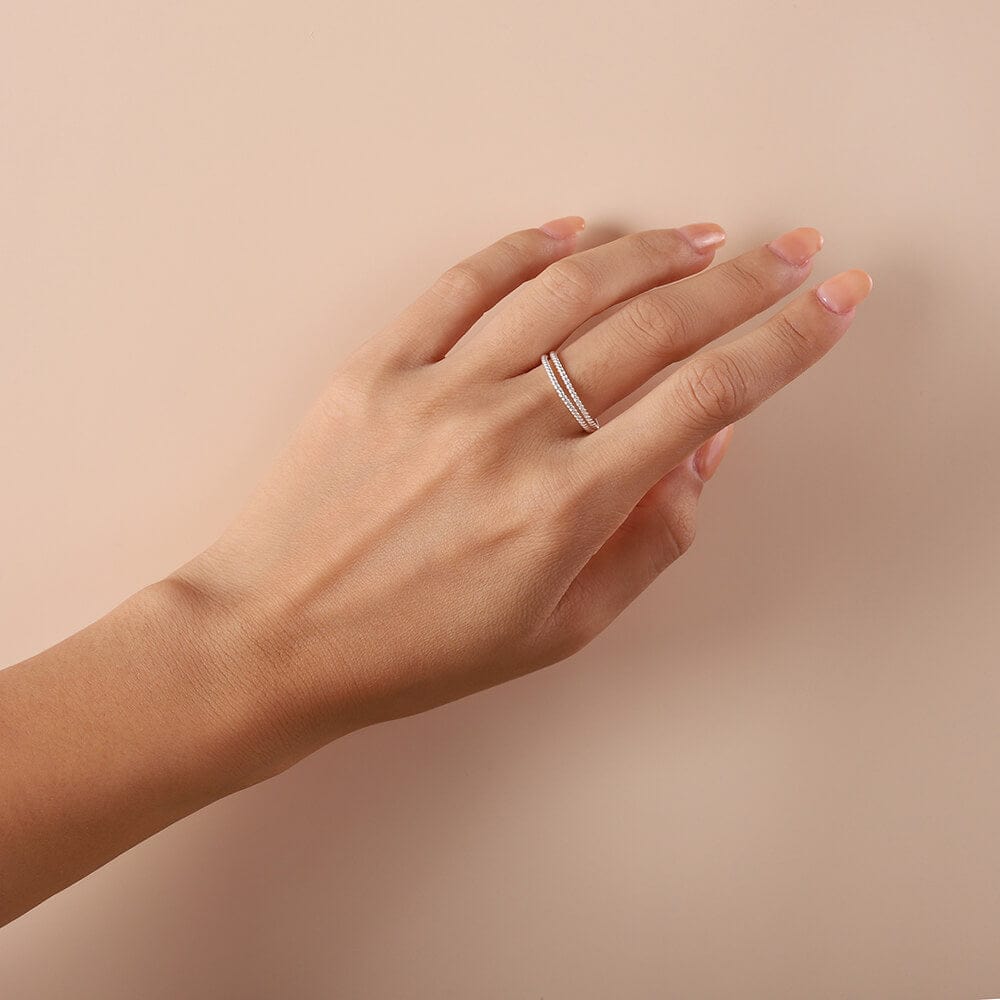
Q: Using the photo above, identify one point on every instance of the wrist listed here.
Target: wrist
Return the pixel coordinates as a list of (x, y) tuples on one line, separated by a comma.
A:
[(236, 669), (193, 657)]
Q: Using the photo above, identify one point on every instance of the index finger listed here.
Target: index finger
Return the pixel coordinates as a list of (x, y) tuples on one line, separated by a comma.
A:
[(724, 383)]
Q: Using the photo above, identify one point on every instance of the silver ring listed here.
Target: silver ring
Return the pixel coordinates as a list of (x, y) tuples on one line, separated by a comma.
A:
[(567, 393)]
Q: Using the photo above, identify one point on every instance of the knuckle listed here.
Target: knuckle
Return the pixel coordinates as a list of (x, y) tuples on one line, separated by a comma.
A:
[(673, 535), (678, 536), (463, 280), (793, 333), (714, 389), (652, 324), (748, 281), (517, 251), (655, 244), (569, 282), (355, 393)]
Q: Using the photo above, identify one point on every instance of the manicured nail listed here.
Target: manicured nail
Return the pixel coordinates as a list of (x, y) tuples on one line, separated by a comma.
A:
[(797, 245), (563, 229), (841, 293), (709, 456), (703, 235)]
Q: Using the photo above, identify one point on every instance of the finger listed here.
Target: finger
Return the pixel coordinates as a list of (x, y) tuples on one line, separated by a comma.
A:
[(564, 296), (667, 324), (722, 384), (658, 531), (428, 328)]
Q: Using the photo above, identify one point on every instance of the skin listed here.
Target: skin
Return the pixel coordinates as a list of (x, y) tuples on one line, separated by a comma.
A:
[(437, 524)]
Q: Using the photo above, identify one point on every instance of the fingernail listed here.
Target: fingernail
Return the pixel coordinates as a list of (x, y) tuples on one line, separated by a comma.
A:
[(564, 228), (709, 456), (797, 245), (841, 293), (703, 235)]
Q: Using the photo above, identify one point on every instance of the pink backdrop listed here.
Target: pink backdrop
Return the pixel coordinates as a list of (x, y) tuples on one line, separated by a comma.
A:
[(776, 776)]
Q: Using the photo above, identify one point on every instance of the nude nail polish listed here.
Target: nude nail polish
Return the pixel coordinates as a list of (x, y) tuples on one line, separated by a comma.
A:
[(703, 235), (564, 228), (797, 246), (709, 456), (841, 293)]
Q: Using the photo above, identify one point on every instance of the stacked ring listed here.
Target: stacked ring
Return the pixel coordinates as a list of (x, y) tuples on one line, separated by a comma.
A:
[(566, 392)]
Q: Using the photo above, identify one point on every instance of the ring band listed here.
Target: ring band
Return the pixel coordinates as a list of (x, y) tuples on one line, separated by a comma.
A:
[(566, 392)]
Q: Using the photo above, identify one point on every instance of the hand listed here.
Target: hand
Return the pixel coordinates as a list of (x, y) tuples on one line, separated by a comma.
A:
[(439, 523)]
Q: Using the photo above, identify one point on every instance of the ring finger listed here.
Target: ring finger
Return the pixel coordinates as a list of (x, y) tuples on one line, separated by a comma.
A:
[(667, 324)]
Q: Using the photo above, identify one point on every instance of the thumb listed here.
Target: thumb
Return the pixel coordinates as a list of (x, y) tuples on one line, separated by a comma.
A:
[(656, 532)]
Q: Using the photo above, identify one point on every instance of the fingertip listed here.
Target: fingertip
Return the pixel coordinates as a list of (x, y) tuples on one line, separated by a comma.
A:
[(703, 236), (565, 228), (841, 293), (798, 246), (709, 456)]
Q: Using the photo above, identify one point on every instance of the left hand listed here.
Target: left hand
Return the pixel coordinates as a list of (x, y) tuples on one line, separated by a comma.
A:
[(440, 523)]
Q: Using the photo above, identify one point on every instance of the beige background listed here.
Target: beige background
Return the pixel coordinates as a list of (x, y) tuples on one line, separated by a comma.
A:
[(777, 776)]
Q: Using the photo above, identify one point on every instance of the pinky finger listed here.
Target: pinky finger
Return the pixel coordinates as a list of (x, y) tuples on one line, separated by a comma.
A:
[(656, 533)]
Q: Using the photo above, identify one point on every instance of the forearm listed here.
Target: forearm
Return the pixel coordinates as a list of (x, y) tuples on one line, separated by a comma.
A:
[(114, 734)]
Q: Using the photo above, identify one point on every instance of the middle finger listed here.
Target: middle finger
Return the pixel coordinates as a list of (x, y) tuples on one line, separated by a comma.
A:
[(667, 324)]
